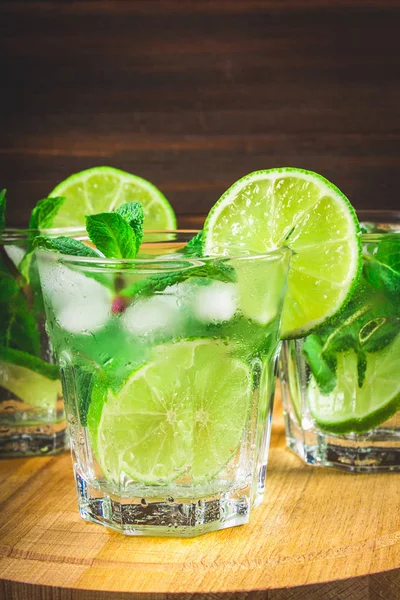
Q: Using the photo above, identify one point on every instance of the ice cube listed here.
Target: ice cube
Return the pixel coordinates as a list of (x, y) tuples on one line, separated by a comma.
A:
[(216, 302), (152, 315), (79, 302), (84, 318)]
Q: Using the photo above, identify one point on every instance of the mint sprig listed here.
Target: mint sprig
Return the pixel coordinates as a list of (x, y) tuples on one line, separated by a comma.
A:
[(24, 359), (18, 327), (65, 245), (112, 235), (44, 213), (118, 235), (42, 217), (382, 268), (369, 322), (217, 270), (133, 213), (21, 302), (194, 247)]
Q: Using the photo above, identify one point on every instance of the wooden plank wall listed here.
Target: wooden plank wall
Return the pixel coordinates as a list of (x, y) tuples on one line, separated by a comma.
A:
[(194, 94)]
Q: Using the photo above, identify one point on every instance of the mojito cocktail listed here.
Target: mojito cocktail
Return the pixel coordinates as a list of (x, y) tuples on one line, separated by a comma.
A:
[(32, 419), (168, 379), (31, 405), (341, 384), (167, 345)]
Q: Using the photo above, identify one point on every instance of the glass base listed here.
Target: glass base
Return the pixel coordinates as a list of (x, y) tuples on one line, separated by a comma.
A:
[(32, 441), (377, 451), (171, 517)]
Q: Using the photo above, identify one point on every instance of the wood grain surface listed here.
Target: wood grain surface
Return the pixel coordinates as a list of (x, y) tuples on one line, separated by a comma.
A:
[(319, 535), (193, 95)]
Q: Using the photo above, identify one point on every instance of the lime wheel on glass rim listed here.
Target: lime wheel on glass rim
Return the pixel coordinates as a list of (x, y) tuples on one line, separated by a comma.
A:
[(302, 210), (103, 189)]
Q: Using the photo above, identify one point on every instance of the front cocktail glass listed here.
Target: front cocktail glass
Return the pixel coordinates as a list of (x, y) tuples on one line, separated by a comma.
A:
[(167, 363), (341, 384)]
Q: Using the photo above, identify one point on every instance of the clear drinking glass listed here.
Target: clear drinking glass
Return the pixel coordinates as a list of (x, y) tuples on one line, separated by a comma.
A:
[(167, 364), (341, 384), (32, 420)]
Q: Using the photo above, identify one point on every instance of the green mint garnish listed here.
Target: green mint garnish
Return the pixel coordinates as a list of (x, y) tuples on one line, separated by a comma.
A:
[(112, 235), (44, 213), (73, 247), (2, 209), (84, 380), (382, 269), (42, 217), (23, 359), (217, 270), (21, 302), (118, 235), (193, 249), (194, 246), (65, 245), (18, 326), (369, 322), (133, 213)]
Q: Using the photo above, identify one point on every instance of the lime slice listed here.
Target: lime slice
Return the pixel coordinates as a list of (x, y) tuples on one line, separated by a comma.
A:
[(183, 412), (103, 189), (352, 409), (304, 211), (31, 387)]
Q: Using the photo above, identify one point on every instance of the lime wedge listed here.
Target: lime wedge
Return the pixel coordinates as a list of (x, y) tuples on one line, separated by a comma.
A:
[(352, 409), (183, 412), (304, 211), (31, 387), (102, 189)]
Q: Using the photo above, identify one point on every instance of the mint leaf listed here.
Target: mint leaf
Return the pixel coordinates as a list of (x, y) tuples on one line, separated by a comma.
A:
[(2, 209), (194, 247), (323, 366), (382, 268), (133, 213), (23, 359), (84, 380), (112, 235), (72, 247), (42, 217), (217, 270), (65, 245), (18, 327), (368, 323), (43, 214)]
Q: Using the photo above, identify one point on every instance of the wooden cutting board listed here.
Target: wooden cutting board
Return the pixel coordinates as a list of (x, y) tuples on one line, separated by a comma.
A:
[(320, 534)]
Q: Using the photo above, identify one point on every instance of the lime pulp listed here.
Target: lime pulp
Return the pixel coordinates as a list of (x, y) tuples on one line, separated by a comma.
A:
[(182, 413), (300, 209), (103, 189)]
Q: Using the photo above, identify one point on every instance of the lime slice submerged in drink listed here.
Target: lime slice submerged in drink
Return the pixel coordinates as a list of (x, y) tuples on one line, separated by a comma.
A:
[(103, 189), (34, 389), (350, 408), (183, 412), (302, 210)]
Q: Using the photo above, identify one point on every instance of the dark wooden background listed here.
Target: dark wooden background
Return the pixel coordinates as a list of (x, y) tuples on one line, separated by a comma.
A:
[(194, 94)]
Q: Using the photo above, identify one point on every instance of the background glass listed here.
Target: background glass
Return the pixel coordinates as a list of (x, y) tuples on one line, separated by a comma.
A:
[(167, 364), (31, 405), (352, 422)]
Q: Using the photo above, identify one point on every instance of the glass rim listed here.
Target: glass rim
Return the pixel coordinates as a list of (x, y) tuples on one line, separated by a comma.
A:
[(12, 235), (384, 216), (387, 220), (161, 261)]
